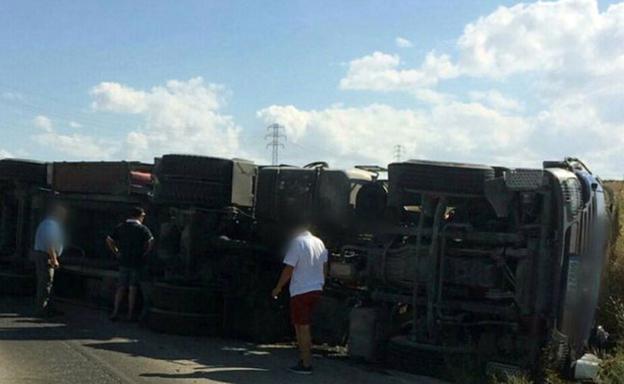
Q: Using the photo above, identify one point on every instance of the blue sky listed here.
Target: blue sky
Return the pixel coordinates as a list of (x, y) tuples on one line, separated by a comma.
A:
[(89, 80)]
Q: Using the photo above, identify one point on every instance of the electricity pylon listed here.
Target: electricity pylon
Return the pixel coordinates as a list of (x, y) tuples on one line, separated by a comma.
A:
[(275, 136), (398, 152)]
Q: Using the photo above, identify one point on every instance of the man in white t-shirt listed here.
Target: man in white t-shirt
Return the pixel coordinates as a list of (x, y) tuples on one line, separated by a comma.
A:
[(305, 261)]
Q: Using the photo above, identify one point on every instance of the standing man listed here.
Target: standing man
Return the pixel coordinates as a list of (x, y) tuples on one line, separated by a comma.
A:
[(47, 249), (130, 242), (305, 269)]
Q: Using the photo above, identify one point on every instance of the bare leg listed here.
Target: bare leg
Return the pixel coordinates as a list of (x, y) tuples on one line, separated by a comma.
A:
[(119, 296), (132, 293), (304, 339), (297, 338)]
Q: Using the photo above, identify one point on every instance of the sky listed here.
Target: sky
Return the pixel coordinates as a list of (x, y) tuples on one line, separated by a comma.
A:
[(495, 82)]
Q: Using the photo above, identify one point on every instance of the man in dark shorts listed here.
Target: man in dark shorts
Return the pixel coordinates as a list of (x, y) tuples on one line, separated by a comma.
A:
[(305, 267), (130, 242)]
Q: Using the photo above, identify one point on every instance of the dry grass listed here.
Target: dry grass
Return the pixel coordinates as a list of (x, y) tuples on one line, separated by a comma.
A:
[(513, 380), (613, 291), (611, 311)]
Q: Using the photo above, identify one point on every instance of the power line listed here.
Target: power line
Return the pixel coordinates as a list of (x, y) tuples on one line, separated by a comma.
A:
[(275, 135), (398, 152)]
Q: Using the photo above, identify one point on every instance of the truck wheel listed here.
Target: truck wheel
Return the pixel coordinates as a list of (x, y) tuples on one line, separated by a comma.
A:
[(17, 284), (179, 190), (269, 325), (187, 299), (197, 167), (438, 177), (371, 201), (182, 323), (402, 355)]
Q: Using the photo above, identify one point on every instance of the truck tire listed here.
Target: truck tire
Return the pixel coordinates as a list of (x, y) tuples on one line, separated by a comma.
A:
[(182, 323), (439, 178), (187, 299), (269, 325), (24, 170), (330, 321), (196, 167), (401, 356), (17, 284), (371, 201), (189, 191)]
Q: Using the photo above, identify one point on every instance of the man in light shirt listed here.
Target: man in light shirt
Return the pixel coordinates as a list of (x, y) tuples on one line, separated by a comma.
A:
[(47, 250), (305, 263)]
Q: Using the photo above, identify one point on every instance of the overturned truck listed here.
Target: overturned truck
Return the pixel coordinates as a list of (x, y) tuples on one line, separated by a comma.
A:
[(23, 193), (437, 261), (478, 261)]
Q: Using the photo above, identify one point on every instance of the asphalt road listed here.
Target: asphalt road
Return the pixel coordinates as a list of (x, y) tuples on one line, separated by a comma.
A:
[(84, 347)]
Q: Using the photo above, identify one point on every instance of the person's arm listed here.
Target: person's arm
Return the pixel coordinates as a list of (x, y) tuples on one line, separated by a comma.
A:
[(51, 237), (149, 245), (111, 241), (112, 245), (283, 280), (149, 240), (292, 256), (325, 257), (53, 257)]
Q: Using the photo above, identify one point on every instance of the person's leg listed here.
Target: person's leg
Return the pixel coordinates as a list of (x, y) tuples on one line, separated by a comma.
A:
[(40, 270), (132, 293), (119, 296), (48, 287), (300, 321), (121, 292), (305, 345), (297, 341), (45, 278)]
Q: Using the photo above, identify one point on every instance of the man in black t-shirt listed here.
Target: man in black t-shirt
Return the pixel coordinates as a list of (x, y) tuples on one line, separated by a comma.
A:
[(130, 242)]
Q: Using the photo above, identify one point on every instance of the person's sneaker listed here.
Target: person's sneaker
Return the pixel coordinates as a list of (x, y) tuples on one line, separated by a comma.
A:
[(300, 369)]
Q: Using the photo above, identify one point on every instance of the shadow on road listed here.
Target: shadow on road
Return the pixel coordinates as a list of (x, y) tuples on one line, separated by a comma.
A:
[(188, 357)]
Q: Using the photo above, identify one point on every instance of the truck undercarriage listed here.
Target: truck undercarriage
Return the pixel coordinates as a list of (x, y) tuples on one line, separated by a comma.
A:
[(440, 261)]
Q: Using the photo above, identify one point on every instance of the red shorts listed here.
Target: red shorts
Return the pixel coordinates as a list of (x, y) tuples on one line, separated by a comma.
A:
[(302, 306)]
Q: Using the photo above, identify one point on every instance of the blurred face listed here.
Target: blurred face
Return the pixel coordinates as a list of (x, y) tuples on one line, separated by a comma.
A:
[(142, 217)]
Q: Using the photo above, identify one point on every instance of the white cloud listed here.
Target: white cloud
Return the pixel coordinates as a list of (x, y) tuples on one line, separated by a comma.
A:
[(497, 100), (75, 124), (180, 116), (566, 40), (43, 122), (569, 36), (566, 55), (448, 131), (115, 97), (73, 145), (5, 154), (402, 42), (381, 72)]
